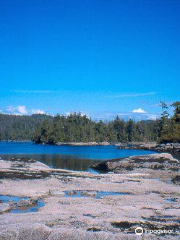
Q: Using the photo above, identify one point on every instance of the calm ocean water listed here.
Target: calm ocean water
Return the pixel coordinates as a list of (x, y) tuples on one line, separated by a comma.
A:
[(79, 158)]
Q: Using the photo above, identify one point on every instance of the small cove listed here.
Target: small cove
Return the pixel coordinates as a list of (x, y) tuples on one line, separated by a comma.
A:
[(78, 158)]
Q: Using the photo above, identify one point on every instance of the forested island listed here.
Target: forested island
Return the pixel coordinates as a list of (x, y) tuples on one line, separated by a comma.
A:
[(79, 128)]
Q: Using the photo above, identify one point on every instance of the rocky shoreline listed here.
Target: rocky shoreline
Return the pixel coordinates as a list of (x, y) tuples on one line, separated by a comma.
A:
[(141, 191), (168, 147), (162, 161), (83, 144)]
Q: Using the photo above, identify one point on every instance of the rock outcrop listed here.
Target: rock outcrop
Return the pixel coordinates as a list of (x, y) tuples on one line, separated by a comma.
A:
[(84, 143), (153, 161), (169, 147)]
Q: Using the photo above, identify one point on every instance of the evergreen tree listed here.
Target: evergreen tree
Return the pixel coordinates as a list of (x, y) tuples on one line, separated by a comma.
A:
[(164, 122), (130, 130)]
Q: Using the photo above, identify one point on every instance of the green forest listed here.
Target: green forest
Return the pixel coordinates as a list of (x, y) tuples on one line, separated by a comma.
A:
[(17, 128), (78, 128), (169, 127)]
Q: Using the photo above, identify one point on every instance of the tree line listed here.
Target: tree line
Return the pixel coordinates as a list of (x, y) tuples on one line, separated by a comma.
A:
[(78, 128), (169, 127)]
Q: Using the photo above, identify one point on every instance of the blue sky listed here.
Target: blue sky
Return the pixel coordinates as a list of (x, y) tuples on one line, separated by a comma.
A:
[(99, 57)]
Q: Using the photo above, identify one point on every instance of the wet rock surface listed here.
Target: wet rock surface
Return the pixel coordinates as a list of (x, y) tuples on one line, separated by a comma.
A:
[(148, 197)]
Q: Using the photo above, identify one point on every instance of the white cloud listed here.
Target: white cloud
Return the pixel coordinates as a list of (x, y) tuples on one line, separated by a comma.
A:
[(11, 109), (130, 95), (37, 111), (19, 110), (123, 115), (107, 95), (22, 110), (139, 110)]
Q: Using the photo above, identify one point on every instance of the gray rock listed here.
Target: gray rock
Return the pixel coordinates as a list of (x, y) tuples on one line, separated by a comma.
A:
[(4, 207), (152, 161), (24, 203), (9, 235), (34, 233)]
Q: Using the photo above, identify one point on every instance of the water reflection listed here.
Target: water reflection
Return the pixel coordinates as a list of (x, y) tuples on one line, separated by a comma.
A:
[(78, 158), (57, 161)]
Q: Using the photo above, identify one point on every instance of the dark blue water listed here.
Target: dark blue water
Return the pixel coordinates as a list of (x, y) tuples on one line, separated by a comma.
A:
[(66, 157)]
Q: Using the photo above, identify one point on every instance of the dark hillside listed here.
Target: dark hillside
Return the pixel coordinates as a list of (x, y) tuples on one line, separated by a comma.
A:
[(14, 127)]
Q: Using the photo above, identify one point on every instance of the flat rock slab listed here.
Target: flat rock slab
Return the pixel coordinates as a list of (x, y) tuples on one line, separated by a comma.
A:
[(149, 199)]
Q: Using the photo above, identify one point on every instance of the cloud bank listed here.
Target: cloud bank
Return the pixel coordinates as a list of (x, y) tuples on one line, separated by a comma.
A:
[(139, 110), (22, 110)]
